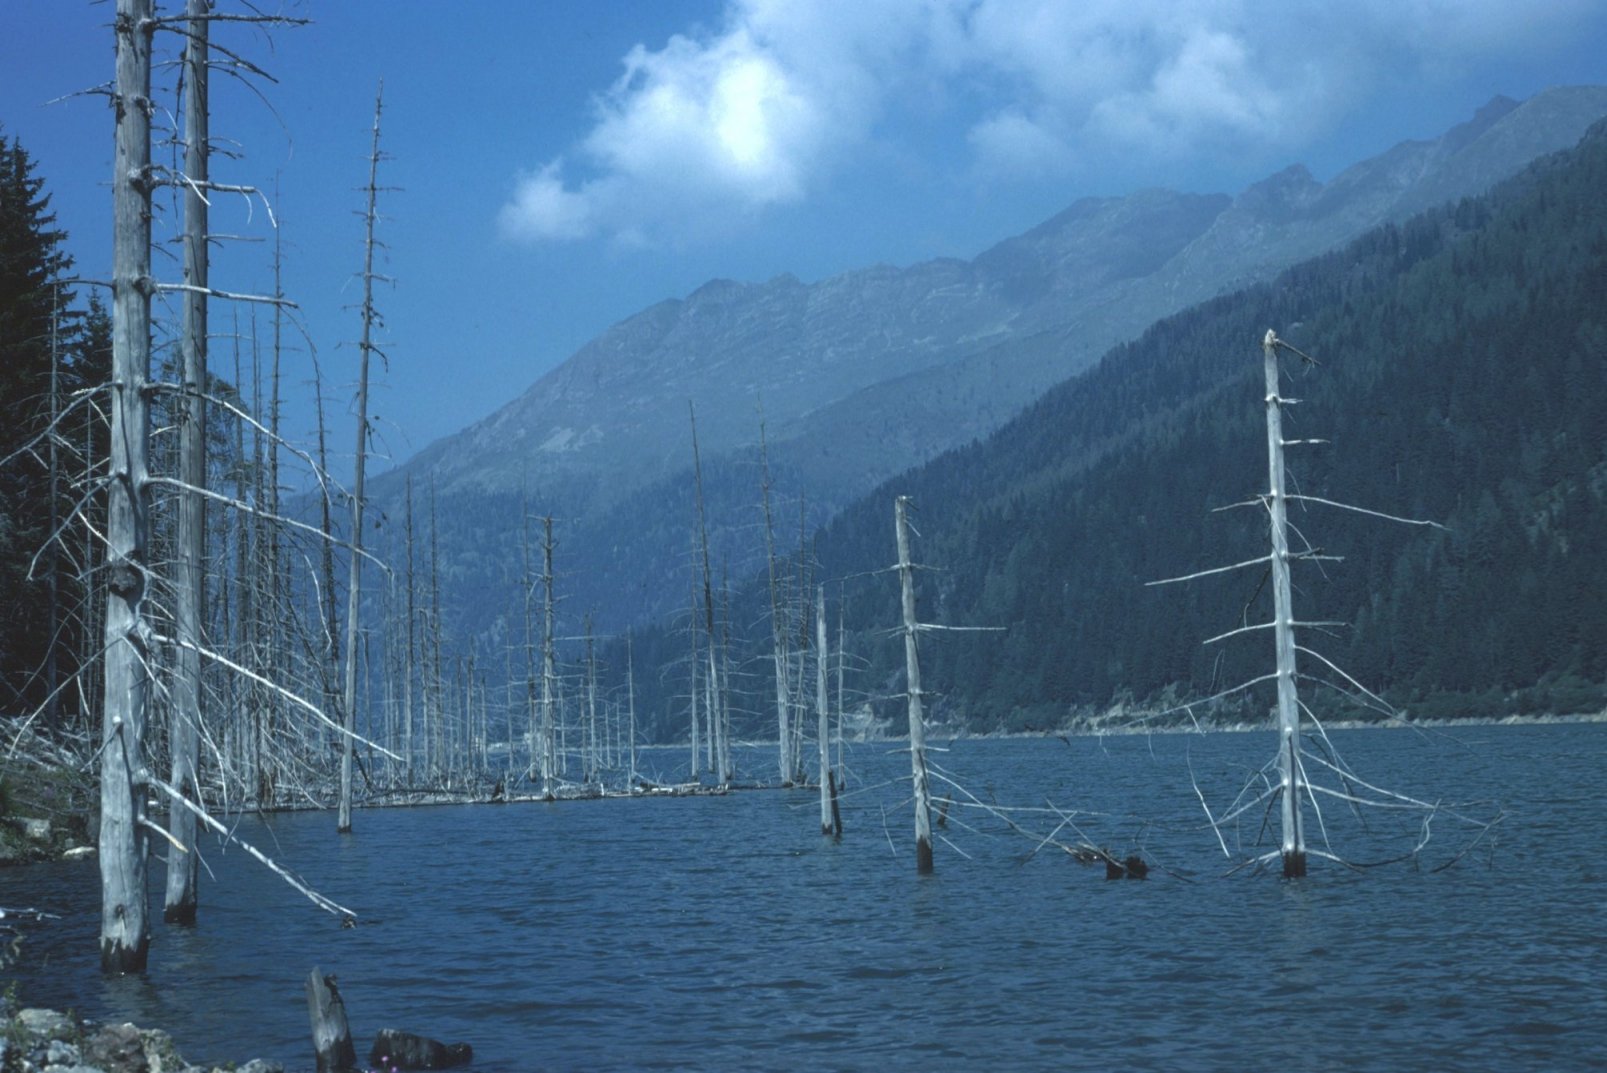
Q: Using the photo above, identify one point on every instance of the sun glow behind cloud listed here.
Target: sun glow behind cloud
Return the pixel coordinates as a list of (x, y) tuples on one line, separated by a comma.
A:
[(706, 131)]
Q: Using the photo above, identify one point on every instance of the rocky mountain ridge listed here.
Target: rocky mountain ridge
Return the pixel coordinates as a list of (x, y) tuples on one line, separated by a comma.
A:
[(865, 374)]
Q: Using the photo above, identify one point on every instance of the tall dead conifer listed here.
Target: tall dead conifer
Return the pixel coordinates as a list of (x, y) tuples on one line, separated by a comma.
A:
[(124, 839), (189, 598), (354, 586)]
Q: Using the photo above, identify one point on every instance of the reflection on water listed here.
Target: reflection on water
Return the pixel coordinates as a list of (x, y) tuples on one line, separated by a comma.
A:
[(724, 932)]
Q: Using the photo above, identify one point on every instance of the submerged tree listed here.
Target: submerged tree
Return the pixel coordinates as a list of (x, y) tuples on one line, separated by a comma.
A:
[(912, 674), (189, 599), (1290, 784), (124, 833), (366, 348)]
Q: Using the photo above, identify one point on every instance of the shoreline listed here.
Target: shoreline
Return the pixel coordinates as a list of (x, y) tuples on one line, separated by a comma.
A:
[(38, 1040)]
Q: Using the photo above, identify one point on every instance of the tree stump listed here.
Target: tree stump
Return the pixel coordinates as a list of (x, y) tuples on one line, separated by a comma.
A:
[(331, 1035)]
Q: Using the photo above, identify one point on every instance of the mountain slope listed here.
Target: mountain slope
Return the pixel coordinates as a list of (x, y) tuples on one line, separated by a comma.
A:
[(1463, 378), (865, 374)]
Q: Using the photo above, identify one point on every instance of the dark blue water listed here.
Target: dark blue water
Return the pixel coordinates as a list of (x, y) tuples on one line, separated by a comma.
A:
[(724, 933)]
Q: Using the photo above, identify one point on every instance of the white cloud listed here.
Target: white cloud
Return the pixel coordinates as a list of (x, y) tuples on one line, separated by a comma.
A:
[(542, 209), (709, 130)]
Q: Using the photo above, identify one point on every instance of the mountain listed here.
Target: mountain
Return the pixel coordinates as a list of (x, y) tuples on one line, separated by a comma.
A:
[(1459, 376), (865, 374)]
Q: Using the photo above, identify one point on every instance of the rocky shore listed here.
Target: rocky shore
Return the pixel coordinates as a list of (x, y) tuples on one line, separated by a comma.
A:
[(48, 1041)]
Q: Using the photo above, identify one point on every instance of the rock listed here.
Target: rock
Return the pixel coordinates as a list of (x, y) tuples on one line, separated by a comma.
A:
[(404, 1050), (118, 1049), (36, 830), (41, 1025), (160, 1053), (78, 853), (260, 1065), (61, 1053)]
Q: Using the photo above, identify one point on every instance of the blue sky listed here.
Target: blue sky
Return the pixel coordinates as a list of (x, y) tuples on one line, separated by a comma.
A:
[(560, 165)]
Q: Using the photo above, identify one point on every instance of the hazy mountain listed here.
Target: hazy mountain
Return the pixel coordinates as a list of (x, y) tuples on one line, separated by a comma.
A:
[(865, 374), (1459, 376)]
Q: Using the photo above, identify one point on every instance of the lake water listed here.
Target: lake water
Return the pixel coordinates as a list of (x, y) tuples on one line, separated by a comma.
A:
[(725, 933)]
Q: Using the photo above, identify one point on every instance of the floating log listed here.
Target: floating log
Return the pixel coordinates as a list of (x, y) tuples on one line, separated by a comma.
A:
[(331, 1035)]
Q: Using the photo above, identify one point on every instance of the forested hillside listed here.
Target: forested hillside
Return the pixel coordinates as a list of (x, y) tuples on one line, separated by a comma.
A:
[(1461, 378)]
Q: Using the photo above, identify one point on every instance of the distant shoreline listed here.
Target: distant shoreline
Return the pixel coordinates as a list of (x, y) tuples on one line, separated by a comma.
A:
[(1208, 727)]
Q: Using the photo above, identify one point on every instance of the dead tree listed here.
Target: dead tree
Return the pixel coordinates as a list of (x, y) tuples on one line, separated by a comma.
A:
[(409, 669), (630, 685), (718, 756), (1292, 787), (824, 732), (1294, 839), (129, 653), (591, 762), (124, 837), (354, 587), (189, 599), (912, 671), (778, 625), (549, 666)]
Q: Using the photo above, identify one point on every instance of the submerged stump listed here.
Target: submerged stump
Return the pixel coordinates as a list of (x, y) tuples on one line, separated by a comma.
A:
[(396, 1049), (331, 1035)]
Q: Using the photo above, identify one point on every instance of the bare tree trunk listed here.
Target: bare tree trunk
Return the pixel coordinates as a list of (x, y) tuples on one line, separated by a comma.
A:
[(630, 685), (727, 771), (276, 587), (183, 872), (694, 674), (713, 684), (435, 710), (1294, 839), (331, 1034), (354, 586), (410, 671), (841, 641), (800, 692), (778, 626), (912, 665), (326, 560), (591, 765), (532, 711), (824, 730), (125, 928), (549, 672)]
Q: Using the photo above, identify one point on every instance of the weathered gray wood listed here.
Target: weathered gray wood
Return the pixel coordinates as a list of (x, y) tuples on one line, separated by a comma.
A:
[(124, 839), (354, 586), (592, 763), (409, 669), (189, 580), (778, 625), (912, 668), (1294, 842), (331, 1035), (716, 757), (549, 665), (630, 685), (827, 797)]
